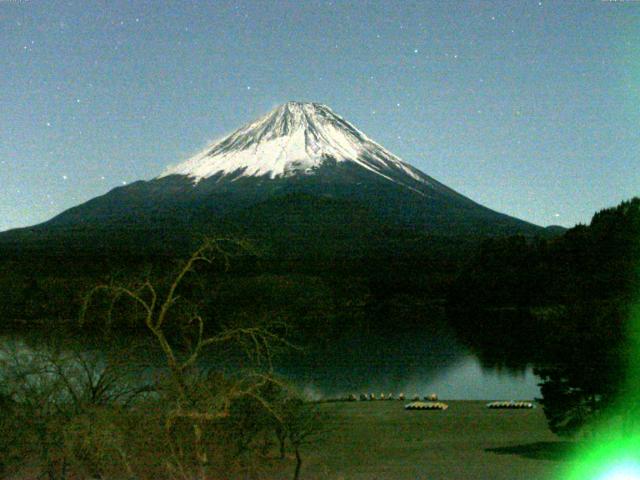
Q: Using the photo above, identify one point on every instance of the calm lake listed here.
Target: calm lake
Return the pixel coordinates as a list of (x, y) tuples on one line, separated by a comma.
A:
[(413, 363), (421, 363)]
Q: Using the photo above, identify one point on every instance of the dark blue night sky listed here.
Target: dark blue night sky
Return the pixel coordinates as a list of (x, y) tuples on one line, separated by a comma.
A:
[(531, 108)]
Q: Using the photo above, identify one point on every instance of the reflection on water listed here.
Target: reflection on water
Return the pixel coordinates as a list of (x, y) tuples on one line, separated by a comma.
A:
[(410, 362), (464, 379), (468, 380)]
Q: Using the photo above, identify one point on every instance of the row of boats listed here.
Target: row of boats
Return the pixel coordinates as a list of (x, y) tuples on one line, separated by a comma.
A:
[(430, 402), (367, 397), (420, 405)]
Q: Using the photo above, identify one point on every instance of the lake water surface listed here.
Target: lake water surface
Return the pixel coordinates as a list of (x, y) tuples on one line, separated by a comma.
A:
[(411, 362)]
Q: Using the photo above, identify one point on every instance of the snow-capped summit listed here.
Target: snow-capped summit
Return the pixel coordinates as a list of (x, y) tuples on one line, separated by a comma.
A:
[(295, 138), (300, 179)]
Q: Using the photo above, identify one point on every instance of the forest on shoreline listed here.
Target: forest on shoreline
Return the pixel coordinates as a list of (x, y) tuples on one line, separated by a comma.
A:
[(562, 305)]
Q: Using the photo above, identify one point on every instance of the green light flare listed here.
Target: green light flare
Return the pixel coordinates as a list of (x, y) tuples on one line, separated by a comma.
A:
[(614, 451), (607, 460), (622, 471)]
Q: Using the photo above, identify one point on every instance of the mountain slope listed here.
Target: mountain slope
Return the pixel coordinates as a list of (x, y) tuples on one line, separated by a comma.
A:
[(299, 173)]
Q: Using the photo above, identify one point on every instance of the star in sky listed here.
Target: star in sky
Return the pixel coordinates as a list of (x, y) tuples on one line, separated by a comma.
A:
[(577, 86)]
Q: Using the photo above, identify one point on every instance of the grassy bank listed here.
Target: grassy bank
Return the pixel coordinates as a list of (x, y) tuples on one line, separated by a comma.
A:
[(380, 440)]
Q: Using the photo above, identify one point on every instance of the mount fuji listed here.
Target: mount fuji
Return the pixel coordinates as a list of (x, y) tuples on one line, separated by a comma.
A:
[(300, 175), (296, 139)]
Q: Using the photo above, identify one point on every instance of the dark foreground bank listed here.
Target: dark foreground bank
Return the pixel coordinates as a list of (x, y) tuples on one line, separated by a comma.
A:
[(380, 440)]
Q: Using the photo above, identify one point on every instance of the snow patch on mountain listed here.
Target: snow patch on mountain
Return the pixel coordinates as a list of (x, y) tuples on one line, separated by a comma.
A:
[(295, 138)]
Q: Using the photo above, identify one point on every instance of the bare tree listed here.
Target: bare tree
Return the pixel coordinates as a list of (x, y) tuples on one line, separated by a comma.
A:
[(201, 400), (302, 423), (48, 388)]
